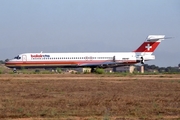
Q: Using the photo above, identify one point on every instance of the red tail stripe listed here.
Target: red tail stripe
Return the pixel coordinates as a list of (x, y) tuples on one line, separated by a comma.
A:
[(147, 47)]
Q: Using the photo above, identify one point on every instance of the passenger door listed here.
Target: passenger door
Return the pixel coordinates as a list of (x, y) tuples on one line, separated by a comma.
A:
[(24, 58)]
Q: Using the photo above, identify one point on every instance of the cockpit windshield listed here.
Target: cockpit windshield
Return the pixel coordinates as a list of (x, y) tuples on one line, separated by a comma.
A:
[(17, 57)]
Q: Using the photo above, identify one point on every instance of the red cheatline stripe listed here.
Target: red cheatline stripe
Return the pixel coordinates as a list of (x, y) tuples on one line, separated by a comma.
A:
[(52, 63)]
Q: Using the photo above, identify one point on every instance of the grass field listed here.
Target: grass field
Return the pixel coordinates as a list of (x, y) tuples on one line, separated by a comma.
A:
[(89, 97)]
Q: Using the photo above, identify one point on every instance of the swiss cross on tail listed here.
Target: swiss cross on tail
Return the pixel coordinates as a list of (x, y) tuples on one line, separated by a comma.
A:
[(151, 43), (148, 47)]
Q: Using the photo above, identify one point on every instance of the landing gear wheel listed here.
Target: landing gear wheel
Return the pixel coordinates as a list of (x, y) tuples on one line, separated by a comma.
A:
[(14, 70)]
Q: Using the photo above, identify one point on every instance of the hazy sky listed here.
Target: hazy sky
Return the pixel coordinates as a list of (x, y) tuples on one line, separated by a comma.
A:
[(88, 26)]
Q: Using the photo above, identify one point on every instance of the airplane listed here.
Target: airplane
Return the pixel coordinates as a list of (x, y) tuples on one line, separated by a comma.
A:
[(91, 60)]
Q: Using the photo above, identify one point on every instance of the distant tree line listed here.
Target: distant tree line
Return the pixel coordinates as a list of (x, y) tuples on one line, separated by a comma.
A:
[(3, 61), (154, 68)]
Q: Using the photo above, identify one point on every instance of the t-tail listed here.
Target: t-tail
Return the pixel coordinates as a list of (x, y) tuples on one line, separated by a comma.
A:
[(150, 45)]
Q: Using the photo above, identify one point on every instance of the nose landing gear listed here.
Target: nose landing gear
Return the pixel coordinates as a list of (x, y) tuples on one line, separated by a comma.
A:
[(14, 70)]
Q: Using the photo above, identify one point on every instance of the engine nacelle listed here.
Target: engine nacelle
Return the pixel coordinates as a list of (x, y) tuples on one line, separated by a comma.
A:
[(144, 58), (148, 57)]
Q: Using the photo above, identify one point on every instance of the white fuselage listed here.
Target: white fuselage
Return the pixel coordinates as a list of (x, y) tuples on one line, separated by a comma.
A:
[(94, 59)]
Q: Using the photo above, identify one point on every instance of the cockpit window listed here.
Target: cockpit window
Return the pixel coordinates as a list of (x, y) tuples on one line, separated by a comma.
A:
[(17, 57)]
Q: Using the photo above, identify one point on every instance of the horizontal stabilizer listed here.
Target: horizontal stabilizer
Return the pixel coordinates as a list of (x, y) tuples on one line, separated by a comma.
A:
[(154, 38)]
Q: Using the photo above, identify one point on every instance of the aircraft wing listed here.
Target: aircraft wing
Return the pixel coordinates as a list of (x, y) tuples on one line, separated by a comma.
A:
[(103, 64)]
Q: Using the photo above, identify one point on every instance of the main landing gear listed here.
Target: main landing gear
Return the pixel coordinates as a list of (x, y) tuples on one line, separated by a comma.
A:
[(92, 70), (142, 65), (142, 60)]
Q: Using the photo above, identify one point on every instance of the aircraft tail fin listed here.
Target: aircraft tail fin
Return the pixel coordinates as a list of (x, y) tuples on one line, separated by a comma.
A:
[(150, 44)]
